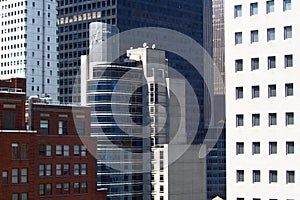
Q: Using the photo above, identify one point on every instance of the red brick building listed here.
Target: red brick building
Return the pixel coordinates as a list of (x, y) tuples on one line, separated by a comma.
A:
[(53, 160)]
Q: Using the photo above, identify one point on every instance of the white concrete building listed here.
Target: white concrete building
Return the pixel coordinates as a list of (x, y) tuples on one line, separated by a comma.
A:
[(28, 44), (262, 99)]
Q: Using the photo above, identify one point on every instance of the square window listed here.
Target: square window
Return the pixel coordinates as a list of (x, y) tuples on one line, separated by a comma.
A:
[(272, 90), (239, 92), (240, 175), (288, 32), (239, 120), (255, 119), (256, 176), (256, 148), (238, 11), (288, 61), (272, 119), (254, 63), (238, 38), (289, 118), (290, 177), (272, 148), (270, 34), (240, 148), (254, 36), (273, 176), (255, 91), (270, 6), (287, 5), (290, 149), (289, 91), (238, 65), (253, 9), (271, 62)]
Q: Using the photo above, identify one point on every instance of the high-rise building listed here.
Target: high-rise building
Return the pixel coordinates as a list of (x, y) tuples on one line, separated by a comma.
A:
[(262, 110), (28, 45)]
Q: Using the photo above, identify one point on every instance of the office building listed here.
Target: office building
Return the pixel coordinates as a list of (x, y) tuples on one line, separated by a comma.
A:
[(262, 109), (28, 45)]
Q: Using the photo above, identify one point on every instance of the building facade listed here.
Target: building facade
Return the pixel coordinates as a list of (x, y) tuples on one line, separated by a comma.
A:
[(28, 45), (262, 109)]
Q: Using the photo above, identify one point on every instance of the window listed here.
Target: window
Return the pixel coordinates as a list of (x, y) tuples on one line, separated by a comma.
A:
[(254, 36), (287, 5), (256, 148), (58, 170), (255, 119), (10, 119), (271, 62), (254, 63), (48, 189), (76, 188), (290, 177), (66, 188), (272, 90), (289, 118), (240, 148), (238, 65), (62, 127), (15, 196), (66, 150), (256, 176), (59, 188), (24, 196), (80, 126), (48, 170), (289, 89), (288, 32), (76, 169), (270, 34), (15, 151), (288, 61), (44, 127), (255, 91), (24, 172), (240, 175), (76, 150), (272, 119), (66, 169), (253, 9), (24, 151), (239, 92), (48, 150), (290, 148), (238, 11), (41, 170), (272, 148), (83, 169), (239, 120), (84, 187), (238, 38), (58, 150), (14, 176), (83, 150), (270, 6), (161, 188), (273, 176), (4, 177)]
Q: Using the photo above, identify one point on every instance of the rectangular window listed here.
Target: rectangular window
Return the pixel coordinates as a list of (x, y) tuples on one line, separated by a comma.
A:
[(289, 91), (10, 119), (48, 170), (58, 150), (288, 61), (66, 169), (24, 173), (272, 90), (4, 177), (84, 187), (254, 63), (238, 38), (239, 120), (256, 148), (256, 176), (14, 176), (238, 65), (270, 34), (66, 188), (239, 92), (272, 148), (24, 196), (83, 151), (255, 119), (48, 189), (41, 170), (288, 32), (272, 119), (287, 5), (44, 127), (237, 10), (62, 127), (240, 148), (76, 188), (80, 127), (271, 62), (66, 150), (48, 150), (58, 170), (270, 6), (24, 151), (15, 151), (254, 36), (15, 196), (76, 169), (253, 9), (240, 175), (290, 149), (290, 177), (59, 188), (273, 176), (83, 169), (76, 150), (255, 91), (289, 118)]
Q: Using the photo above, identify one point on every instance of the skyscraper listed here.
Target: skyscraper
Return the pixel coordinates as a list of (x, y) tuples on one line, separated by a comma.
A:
[(262, 107), (28, 44)]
